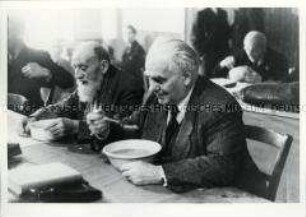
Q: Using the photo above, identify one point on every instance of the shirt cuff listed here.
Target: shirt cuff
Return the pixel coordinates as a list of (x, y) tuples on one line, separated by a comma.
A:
[(162, 174)]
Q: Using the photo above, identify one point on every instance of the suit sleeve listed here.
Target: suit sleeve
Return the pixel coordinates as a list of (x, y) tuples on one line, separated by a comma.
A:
[(219, 71), (281, 69), (224, 141), (60, 76)]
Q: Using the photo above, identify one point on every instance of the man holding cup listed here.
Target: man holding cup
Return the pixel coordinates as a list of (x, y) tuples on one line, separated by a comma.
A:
[(203, 142)]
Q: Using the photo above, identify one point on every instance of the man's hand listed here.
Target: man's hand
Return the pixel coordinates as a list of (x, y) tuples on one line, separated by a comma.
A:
[(244, 74), (34, 70), (142, 173), (23, 127), (98, 124), (62, 127), (227, 62), (252, 76)]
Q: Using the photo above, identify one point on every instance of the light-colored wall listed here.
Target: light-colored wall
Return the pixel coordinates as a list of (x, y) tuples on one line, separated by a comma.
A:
[(150, 23), (50, 29)]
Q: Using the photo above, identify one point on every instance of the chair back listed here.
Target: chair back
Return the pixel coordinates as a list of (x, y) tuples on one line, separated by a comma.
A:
[(277, 141)]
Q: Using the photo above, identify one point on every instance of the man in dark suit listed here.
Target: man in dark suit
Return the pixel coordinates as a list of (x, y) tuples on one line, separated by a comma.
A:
[(99, 85), (29, 70), (258, 58), (198, 124)]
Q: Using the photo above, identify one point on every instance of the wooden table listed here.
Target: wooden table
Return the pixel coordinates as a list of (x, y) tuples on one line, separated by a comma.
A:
[(114, 187), (223, 82)]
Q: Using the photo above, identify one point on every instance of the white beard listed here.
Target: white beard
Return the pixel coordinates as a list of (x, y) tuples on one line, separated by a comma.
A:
[(87, 92)]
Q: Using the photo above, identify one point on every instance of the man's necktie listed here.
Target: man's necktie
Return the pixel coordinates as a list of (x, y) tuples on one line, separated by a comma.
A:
[(173, 125)]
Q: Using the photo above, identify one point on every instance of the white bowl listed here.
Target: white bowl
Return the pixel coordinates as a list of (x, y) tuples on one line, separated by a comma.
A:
[(39, 131), (131, 150)]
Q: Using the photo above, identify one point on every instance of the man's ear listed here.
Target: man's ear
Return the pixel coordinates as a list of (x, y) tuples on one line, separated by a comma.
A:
[(104, 65)]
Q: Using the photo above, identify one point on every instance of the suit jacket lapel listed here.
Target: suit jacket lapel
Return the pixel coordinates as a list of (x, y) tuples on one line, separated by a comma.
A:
[(182, 146), (161, 127)]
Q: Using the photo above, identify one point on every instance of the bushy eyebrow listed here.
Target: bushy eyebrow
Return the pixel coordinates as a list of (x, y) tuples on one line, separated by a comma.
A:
[(80, 65), (158, 79)]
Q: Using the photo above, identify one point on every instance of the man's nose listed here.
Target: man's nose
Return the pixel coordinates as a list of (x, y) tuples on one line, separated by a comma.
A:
[(79, 74), (154, 86)]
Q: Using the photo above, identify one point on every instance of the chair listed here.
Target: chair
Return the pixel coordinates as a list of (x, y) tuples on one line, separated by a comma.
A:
[(282, 143), (17, 103)]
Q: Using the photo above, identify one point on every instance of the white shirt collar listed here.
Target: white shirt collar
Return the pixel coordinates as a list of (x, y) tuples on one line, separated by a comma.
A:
[(182, 107)]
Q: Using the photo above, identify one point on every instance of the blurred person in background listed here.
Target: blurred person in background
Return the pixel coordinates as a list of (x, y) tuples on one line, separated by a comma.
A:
[(210, 37), (29, 70), (133, 58), (57, 53)]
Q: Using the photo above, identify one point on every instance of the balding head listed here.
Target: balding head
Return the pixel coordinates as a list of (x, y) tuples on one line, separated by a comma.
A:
[(176, 54), (255, 45), (172, 68), (91, 49)]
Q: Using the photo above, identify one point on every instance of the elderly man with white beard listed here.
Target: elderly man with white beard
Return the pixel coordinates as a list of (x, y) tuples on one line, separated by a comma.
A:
[(99, 84)]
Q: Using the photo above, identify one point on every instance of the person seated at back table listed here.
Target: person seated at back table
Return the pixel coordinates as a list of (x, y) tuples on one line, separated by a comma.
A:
[(29, 70), (98, 83), (256, 62), (203, 142)]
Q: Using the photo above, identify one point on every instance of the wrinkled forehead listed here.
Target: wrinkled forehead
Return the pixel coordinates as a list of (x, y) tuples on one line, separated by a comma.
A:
[(84, 54)]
